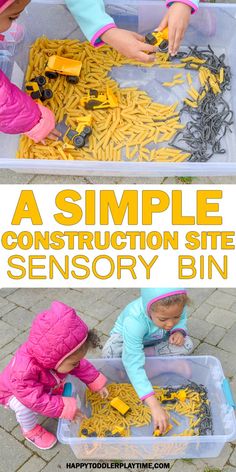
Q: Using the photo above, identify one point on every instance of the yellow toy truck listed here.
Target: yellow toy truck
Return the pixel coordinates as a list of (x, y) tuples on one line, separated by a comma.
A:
[(159, 39), (173, 397), (58, 65), (96, 100), (35, 88), (80, 134), (120, 406)]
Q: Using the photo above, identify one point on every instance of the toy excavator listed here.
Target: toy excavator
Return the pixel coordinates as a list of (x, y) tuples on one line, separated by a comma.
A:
[(173, 397), (58, 65), (78, 136), (159, 39), (97, 101), (35, 88)]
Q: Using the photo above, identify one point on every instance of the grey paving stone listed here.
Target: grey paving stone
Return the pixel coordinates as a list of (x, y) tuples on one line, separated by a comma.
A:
[(221, 299), (47, 455), (3, 302), (182, 466), (9, 349), (228, 341), (219, 462), (221, 317), (5, 361), (196, 343), (7, 419), (202, 311), (7, 333), (199, 295), (58, 179), (19, 316), (13, 453), (125, 298), (100, 310), (10, 177), (199, 328), (106, 325), (228, 468), (26, 297), (232, 459), (21, 338), (58, 463), (35, 464), (215, 335), (6, 308)]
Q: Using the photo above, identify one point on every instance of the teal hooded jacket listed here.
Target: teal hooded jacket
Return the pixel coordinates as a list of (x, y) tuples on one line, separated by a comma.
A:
[(94, 21), (139, 331)]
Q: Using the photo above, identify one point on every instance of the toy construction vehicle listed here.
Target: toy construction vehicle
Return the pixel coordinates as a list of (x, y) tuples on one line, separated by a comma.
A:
[(157, 432), (120, 406), (36, 89), (173, 397), (58, 65), (116, 432), (96, 100), (159, 39), (78, 136)]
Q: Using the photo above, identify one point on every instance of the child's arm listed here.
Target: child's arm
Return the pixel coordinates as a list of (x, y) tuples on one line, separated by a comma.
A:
[(20, 114), (177, 19), (88, 374), (98, 27), (133, 357)]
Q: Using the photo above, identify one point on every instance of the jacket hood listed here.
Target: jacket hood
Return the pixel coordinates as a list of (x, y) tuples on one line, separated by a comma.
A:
[(55, 334), (5, 4), (151, 295)]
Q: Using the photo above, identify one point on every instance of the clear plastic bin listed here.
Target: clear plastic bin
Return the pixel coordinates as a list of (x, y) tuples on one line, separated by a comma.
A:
[(214, 24), (142, 445)]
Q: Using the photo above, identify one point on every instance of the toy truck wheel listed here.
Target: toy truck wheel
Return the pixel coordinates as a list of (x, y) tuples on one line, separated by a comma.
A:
[(41, 81), (79, 141), (92, 104), (150, 39), (93, 93), (46, 94), (35, 95), (164, 45), (87, 130), (51, 75), (72, 79)]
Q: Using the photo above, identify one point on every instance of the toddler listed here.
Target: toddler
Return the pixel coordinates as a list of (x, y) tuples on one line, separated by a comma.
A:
[(32, 383), (155, 325), (18, 111), (99, 27)]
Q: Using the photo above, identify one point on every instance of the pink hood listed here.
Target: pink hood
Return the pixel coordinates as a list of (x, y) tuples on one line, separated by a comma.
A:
[(32, 377), (55, 334), (5, 4)]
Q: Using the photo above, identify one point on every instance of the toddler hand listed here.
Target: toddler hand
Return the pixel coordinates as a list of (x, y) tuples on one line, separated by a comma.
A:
[(54, 135), (177, 20), (177, 339), (130, 44), (79, 416), (103, 392), (159, 415)]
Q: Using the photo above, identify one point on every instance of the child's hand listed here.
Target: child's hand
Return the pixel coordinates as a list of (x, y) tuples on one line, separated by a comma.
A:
[(159, 415), (103, 392), (177, 338), (130, 44), (54, 135), (79, 416), (177, 20)]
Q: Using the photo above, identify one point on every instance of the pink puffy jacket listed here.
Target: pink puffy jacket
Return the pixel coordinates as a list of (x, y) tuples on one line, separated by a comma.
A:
[(20, 114), (31, 375)]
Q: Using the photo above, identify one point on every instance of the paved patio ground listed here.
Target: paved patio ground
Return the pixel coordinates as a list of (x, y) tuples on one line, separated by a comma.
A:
[(212, 325)]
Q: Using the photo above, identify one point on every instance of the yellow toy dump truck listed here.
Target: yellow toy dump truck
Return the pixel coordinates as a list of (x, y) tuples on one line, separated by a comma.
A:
[(159, 39), (35, 88), (80, 134), (58, 65), (96, 100), (120, 406)]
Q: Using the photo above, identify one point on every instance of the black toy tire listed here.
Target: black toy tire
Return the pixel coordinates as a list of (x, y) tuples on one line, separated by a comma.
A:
[(46, 95), (41, 81), (51, 75), (164, 45), (91, 104), (72, 79), (35, 95), (79, 142)]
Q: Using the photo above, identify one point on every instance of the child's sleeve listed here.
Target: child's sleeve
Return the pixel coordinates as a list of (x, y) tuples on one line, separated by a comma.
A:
[(31, 393), (191, 3), (92, 18), (182, 325), (20, 114), (133, 357), (88, 374)]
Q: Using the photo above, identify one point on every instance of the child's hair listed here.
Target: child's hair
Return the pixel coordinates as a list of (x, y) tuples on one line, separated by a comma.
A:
[(92, 342), (180, 299)]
